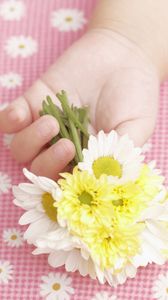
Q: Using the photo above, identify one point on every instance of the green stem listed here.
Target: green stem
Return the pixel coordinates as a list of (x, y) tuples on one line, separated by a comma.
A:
[(76, 141), (46, 108), (64, 102), (73, 123), (53, 110), (85, 124)]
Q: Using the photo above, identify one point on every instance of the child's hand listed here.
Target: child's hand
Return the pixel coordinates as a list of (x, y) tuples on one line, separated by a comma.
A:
[(104, 70)]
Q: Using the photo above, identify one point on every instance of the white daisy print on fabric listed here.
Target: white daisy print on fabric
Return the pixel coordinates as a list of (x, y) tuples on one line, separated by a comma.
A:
[(10, 80), (3, 105), (37, 199), (56, 286), (13, 237), (7, 139), (5, 183), (160, 287), (111, 155), (21, 46), (12, 10), (6, 270), (68, 19), (104, 296)]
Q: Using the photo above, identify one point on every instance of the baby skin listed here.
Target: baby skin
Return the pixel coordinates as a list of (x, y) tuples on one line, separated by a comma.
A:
[(116, 69)]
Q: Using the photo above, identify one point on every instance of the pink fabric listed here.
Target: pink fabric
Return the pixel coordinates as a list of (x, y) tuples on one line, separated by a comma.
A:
[(28, 269)]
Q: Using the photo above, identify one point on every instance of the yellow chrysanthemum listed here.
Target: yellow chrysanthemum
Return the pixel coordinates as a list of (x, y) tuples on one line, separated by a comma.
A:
[(127, 202), (109, 246), (130, 199), (86, 201)]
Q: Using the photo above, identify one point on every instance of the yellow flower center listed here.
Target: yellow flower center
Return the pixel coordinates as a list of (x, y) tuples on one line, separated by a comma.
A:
[(1, 270), (21, 46), (48, 205), (106, 165), (12, 8), (56, 286), (119, 202), (13, 237), (68, 19), (167, 290), (85, 198)]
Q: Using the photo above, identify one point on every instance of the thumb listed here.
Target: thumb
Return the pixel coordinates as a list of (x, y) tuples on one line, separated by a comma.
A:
[(128, 104)]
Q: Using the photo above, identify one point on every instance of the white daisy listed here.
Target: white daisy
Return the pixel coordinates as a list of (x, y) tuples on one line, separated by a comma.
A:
[(73, 261), (6, 270), (12, 10), (154, 237), (116, 275), (37, 199), (64, 249), (112, 155), (7, 139), (10, 80), (152, 245), (75, 256), (68, 19), (21, 46), (160, 287), (104, 296), (5, 183), (56, 286), (3, 105), (13, 237)]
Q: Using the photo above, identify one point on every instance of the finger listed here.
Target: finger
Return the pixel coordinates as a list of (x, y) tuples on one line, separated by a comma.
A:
[(139, 130), (49, 85), (53, 160), (15, 116), (36, 94), (21, 112), (129, 104), (28, 142)]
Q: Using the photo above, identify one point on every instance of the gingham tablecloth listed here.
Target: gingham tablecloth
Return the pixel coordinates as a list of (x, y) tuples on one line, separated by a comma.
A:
[(25, 272)]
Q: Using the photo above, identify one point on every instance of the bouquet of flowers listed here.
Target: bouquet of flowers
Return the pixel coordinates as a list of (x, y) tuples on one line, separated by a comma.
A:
[(106, 217)]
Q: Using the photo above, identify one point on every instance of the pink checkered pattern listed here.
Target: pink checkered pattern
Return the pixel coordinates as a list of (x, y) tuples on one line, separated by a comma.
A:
[(28, 269)]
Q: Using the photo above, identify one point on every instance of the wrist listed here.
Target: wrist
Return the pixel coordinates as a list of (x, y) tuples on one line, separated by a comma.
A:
[(142, 23)]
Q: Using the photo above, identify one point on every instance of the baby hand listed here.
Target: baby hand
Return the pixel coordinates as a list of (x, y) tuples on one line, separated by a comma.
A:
[(104, 71)]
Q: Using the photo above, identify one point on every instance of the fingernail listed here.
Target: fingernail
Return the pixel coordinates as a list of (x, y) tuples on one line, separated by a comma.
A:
[(47, 127), (16, 115), (64, 148)]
